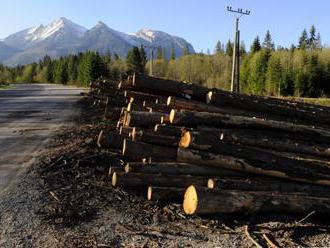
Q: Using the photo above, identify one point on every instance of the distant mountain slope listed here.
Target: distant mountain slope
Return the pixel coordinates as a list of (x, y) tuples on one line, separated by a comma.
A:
[(62, 37)]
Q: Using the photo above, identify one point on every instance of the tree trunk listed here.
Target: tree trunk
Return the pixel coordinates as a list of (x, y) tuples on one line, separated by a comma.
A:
[(154, 138), (177, 168), (270, 105), (170, 87), (136, 151), (142, 119), (168, 194), (296, 172), (206, 201), (113, 113), (194, 119), (112, 140), (168, 130), (146, 180), (231, 137)]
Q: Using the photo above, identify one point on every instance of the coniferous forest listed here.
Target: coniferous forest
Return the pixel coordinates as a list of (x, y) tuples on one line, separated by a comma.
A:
[(303, 70)]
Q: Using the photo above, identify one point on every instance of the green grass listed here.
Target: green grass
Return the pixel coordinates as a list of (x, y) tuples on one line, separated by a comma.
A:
[(4, 86)]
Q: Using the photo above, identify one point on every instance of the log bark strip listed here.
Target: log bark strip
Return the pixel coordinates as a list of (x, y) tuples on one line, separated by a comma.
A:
[(153, 138), (313, 174), (168, 194), (206, 201), (142, 119), (108, 139), (146, 180)]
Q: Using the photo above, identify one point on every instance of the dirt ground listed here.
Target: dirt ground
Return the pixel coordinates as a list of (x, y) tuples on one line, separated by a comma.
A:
[(66, 200)]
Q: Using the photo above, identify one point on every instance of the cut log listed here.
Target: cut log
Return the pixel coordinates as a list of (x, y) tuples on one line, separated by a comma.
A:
[(202, 138), (154, 138), (170, 87), (141, 96), (137, 151), (132, 106), (107, 139), (165, 194), (165, 119), (126, 131), (176, 168), (272, 185), (146, 180), (157, 107), (194, 119), (113, 113), (113, 169), (207, 201), (142, 119), (269, 105), (167, 130), (314, 174)]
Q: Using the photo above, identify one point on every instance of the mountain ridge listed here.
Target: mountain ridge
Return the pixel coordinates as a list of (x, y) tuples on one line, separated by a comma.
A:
[(62, 37)]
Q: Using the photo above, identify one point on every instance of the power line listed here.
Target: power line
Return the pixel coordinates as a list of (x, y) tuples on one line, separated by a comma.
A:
[(235, 87)]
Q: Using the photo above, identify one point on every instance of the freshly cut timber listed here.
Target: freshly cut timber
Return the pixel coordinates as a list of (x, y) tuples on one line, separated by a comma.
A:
[(209, 201), (170, 87), (207, 138), (153, 138), (137, 151), (145, 180), (140, 96), (107, 139), (300, 171), (158, 107), (193, 119), (165, 194), (125, 131), (177, 168), (269, 105), (142, 119), (132, 106)]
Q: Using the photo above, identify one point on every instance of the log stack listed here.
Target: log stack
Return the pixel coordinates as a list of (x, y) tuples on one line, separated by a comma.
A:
[(214, 151)]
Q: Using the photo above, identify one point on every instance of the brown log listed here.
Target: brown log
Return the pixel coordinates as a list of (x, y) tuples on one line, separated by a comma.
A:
[(146, 180), (108, 139), (141, 96), (132, 106), (229, 136), (269, 184), (137, 151), (193, 119), (154, 138), (169, 194), (313, 174), (157, 107), (113, 169), (168, 130), (126, 131), (142, 119), (113, 113), (170, 87), (268, 105), (176, 168), (208, 201)]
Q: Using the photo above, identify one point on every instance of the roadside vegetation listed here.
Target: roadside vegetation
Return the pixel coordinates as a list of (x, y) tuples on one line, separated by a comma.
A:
[(303, 70)]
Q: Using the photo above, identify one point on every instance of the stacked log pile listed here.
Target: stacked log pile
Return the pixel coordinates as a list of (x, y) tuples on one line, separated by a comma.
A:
[(215, 151)]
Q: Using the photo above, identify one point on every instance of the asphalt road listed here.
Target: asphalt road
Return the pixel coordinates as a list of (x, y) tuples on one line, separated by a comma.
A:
[(29, 115)]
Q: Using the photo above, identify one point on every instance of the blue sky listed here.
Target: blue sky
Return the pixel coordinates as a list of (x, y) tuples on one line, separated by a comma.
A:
[(200, 22)]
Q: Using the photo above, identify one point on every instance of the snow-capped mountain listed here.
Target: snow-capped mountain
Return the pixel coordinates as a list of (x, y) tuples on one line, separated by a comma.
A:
[(63, 36)]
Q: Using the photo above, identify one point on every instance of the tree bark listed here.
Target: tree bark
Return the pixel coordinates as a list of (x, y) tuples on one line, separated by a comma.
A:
[(136, 151), (113, 113), (270, 105), (206, 201), (194, 119), (170, 87), (168, 130), (146, 180), (296, 172), (112, 140), (177, 168), (168, 194), (154, 138), (142, 119)]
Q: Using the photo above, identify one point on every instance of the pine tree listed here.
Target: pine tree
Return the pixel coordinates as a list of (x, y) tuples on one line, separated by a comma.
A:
[(159, 53), (255, 47), (268, 43), (143, 56), (218, 48), (172, 52), (303, 40), (318, 41), (312, 38), (134, 61), (229, 48)]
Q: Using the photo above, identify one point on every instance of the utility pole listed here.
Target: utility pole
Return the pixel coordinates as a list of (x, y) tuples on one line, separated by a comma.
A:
[(235, 87)]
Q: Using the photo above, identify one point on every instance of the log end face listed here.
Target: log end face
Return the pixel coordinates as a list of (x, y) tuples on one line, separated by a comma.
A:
[(127, 168), (172, 115), (190, 201), (114, 179), (156, 127), (209, 97), (99, 139), (124, 147), (185, 140), (149, 193), (168, 102), (210, 183)]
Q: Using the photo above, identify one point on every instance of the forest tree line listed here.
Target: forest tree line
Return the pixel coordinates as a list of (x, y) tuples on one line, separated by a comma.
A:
[(303, 70)]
